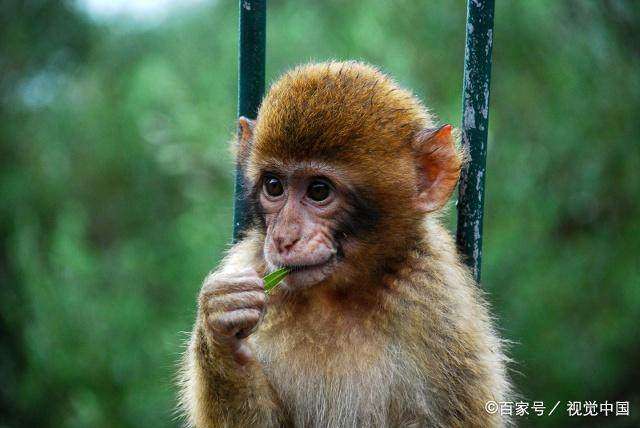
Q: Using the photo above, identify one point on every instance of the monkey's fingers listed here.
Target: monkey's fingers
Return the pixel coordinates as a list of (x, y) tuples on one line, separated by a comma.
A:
[(236, 284), (235, 301), (229, 324)]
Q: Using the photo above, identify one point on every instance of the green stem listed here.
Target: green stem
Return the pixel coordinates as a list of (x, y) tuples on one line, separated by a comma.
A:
[(274, 278)]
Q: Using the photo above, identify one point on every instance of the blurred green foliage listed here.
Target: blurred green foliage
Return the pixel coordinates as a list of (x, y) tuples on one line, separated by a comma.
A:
[(116, 189)]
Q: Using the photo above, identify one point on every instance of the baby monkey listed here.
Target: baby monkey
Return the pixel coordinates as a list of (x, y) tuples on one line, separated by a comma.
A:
[(379, 324)]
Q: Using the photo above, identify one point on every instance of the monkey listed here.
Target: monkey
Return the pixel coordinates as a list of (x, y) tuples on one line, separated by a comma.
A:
[(379, 323)]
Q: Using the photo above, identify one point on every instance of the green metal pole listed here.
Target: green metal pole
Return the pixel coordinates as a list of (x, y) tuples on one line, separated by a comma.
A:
[(475, 121), (253, 20)]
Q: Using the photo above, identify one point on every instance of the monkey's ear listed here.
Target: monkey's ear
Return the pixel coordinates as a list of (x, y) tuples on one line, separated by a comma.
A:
[(245, 135), (439, 164)]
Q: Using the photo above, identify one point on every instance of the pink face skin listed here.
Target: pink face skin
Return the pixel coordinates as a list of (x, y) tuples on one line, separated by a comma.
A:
[(301, 210)]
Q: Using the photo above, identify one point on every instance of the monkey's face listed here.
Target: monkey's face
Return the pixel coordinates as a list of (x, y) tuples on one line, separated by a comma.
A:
[(342, 165), (304, 208)]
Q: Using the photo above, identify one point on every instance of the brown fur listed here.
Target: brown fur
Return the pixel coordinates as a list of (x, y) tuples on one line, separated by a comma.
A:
[(403, 337)]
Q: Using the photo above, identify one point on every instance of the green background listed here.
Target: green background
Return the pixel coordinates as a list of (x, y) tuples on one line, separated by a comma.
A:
[(116, 180)]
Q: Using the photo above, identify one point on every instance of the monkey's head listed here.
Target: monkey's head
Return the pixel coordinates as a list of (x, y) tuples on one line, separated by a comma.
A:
[(342, 165)]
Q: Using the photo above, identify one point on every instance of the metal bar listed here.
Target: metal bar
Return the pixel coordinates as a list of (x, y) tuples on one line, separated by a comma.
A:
[(475, 121), (253, 14)]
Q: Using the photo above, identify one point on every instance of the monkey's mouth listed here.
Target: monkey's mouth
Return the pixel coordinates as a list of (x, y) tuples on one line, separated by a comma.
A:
[(304, 275), (302, 268)]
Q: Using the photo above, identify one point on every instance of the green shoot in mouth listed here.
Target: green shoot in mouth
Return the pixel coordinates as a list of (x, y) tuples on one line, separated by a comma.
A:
[(274, 278)]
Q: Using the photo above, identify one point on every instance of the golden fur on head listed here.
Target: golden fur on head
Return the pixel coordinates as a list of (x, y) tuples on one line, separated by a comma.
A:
[(332, 110)]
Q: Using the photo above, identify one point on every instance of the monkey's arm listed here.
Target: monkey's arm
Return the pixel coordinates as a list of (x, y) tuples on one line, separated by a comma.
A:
[(217, 392), (222, 384)]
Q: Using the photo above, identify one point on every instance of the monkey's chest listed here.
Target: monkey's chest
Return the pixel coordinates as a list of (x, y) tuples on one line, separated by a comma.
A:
[(322, 347), (347, 379)]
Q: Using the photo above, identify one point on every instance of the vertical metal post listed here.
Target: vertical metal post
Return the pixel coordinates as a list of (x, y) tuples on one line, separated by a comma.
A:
[(253, 14), (475, 120)]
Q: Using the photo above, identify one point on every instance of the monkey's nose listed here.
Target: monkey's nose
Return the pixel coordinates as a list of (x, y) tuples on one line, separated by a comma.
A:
[(285, 245)]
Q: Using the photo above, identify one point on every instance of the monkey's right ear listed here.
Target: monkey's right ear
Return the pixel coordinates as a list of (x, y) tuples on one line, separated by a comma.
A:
[(245, 136)]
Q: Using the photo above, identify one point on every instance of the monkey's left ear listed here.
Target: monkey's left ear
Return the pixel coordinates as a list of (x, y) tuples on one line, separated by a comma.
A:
[(245, 135), (439, 164)]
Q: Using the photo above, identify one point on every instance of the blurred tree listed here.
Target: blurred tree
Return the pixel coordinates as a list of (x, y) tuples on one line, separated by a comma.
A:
[(32, 47)]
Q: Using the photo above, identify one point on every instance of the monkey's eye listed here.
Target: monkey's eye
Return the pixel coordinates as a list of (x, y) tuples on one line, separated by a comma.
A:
[(273, 186), (318, 190)]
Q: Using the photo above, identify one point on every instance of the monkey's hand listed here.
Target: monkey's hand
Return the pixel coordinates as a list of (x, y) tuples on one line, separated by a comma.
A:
[(231, 305)]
